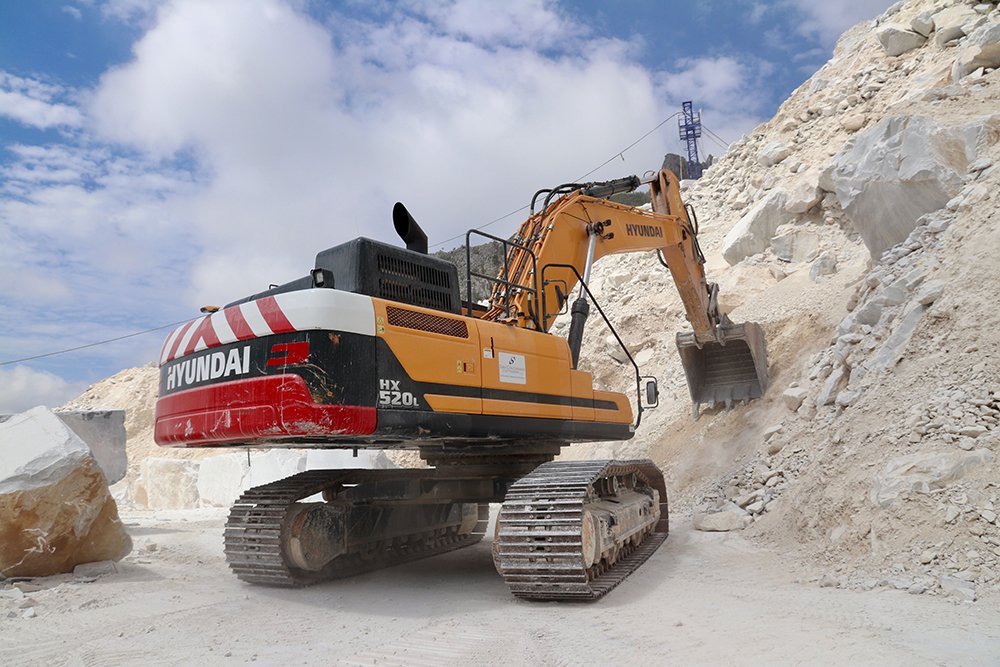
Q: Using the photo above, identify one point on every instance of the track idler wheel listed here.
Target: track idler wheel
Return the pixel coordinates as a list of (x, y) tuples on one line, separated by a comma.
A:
[(314, 534)]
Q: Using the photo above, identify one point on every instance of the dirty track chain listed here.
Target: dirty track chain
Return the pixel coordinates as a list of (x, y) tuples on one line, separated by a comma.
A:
[(548, 505), (253, 536)]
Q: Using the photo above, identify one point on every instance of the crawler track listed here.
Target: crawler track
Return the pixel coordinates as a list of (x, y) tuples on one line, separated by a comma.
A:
[(539, 537), (253, 536)]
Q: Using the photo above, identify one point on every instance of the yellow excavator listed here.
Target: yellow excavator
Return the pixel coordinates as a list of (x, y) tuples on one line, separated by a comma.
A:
[(375, 348)]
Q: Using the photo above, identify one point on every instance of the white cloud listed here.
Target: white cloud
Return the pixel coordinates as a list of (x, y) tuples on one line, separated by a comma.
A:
[(306, 142), (828, 19), (72, 11), (244, 136), (30, 101), (532, 23), (22, 388), (141, 12), (758, 10)]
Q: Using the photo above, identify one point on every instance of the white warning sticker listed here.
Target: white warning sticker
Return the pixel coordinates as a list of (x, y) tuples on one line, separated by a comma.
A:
[(512, 368)]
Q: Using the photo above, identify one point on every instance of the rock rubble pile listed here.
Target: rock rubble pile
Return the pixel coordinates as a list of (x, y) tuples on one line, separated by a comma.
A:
[(858, 227)]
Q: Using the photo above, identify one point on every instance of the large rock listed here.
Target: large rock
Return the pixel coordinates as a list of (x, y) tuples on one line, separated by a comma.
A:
[(752, 234), (730, 518), (924, 473), (167, 484), (869, 314), (369, 459), (805, 194), (892, 349), (773, 153), (793, 397), (795, 246), (104, 433), (897, 40), (267, 467), (222, 478), (959, 588), (923, 24), (825, 265), (55, 508), (831, 387), (903, 168), (980, 49), (953, 23)]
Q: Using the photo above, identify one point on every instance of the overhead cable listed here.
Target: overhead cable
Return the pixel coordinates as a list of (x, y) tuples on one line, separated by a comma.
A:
[(619, 154), (81, 347)]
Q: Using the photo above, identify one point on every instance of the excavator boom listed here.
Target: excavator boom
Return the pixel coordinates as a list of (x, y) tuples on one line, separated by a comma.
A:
[(723, 362)]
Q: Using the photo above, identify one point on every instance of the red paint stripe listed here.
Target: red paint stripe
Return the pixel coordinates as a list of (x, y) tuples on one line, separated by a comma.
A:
[(272, 314), (177, 341), (204, 331), (263, 409), (238, 323)]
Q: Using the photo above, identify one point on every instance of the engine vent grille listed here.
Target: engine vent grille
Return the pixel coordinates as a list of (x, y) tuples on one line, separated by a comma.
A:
[(409, 282), (418, 296), (395, 266), (411, 319)]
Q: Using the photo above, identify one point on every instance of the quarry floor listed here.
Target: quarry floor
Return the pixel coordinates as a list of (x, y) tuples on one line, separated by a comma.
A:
[(703, 598)]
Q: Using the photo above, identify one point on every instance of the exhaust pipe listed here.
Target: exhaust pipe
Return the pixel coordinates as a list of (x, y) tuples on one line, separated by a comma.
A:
[(408, 229)]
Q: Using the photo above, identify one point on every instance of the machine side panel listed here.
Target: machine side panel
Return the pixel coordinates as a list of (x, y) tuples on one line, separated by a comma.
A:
[(419, 349), (525, 373), (302, 310), (272, 408), (583, 387)]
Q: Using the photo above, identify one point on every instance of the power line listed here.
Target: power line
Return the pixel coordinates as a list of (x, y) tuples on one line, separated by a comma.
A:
[(719, 140), (110, 340), (620, 154), (491, 222)]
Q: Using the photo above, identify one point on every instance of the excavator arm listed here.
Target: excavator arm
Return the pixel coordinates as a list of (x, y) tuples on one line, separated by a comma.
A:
[(723, 361), (566, 230)]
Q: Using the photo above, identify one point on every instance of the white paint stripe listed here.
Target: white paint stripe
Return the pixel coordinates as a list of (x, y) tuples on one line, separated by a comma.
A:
[(187, 338), (306, 310), (328, 309), (222, 328), (167, 345), (251, 313)]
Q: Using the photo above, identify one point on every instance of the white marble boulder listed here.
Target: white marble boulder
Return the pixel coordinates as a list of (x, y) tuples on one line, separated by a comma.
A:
[(753, 233), (55, 508), (901, 169)]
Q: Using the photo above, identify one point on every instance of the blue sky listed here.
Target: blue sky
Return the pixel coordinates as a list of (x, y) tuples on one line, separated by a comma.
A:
[(160, 155)]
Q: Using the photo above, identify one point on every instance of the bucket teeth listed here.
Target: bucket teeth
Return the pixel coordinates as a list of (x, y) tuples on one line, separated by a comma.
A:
[(730, 372)]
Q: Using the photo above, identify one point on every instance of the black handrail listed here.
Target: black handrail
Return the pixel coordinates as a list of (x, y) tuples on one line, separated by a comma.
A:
[(638, 376), (505, 281)]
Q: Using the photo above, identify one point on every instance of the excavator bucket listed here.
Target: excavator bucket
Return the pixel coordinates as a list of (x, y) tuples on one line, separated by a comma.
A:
[(735, 370)]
